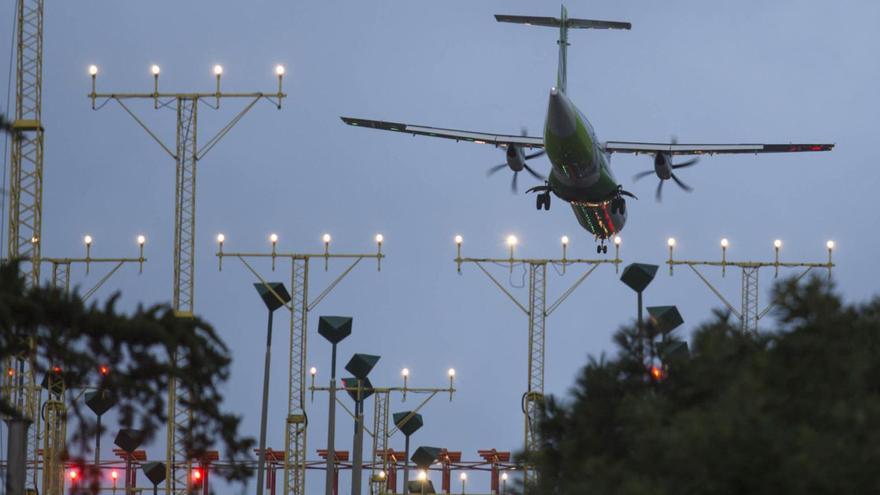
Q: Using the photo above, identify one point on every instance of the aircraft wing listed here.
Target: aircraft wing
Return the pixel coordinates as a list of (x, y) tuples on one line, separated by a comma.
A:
[(710, 149), (458, 135)]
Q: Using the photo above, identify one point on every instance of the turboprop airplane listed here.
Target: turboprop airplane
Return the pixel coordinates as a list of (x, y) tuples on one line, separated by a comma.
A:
[(580, 173)]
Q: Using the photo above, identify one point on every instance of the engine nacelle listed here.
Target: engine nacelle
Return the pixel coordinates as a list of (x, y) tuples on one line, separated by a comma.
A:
[(516, 159), (663, 165)]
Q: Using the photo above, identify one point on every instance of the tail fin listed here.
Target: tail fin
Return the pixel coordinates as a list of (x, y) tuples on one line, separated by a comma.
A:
[(564, 23)]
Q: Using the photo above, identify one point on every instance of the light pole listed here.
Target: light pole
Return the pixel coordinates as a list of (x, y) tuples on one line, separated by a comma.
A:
[(408, 422), (503, 483), (360, 366), (463, 481), (638, 276), (334, 329), (129, 439), (155, 472), (99, 401), (423, 457), (274, 295)]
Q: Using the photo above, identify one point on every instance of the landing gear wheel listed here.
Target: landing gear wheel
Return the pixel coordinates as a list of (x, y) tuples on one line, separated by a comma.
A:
[(547, 202), (598, 249), (538, 202), (604, 249)]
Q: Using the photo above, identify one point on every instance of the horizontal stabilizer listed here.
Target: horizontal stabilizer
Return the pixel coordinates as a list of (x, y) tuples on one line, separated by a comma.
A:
[(569, 23)]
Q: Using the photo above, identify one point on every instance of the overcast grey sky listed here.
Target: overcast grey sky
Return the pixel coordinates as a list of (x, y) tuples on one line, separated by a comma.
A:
[(704, 71)]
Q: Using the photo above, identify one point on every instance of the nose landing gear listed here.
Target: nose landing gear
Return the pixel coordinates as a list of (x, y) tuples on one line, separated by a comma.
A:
[(602, 248)]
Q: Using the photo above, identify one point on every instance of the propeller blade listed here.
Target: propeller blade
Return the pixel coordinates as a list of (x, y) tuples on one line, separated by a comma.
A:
[(534, 174), (496, 168), (682, 184), (659, 194), (687, 163), (513, 183), (642, 175), (535, 155)]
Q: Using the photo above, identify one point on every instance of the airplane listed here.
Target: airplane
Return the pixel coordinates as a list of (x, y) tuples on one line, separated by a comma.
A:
[(580, 173)]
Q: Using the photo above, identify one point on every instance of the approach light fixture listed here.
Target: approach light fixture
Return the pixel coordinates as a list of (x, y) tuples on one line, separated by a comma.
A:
[(326, 238), (273, 238), (725, 243), (423, 475), (829, 245), (617, 240), (512, 241), (279, 70), (141, 240), (777, 244), (564, 243), (221, 238), (218, 70), (670, 242), (405, 372), (87, 240), (93, 70), (459, 239), (380, 238), (155, 69), (313, 371)]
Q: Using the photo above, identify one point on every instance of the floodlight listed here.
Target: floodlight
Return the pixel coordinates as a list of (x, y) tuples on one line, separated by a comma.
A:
[(334, 328), (425, 456), (129, 439), (93, 70), (218, 70), (664, 318), (638, 275), (155, 70), (271, 297), (351, 386), (360, 365), (155, 472), (100, 401), (407, 422)]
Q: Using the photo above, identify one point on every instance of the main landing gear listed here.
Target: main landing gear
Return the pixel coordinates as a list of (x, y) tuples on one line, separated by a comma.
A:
[(602, 248), (542, 200)]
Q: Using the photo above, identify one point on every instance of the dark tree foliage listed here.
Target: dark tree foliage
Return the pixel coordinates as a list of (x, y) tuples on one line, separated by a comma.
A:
[(790, 411), (58, 333)]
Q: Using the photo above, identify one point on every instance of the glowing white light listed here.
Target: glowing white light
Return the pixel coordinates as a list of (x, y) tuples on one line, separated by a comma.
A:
[(155, 70), (463, 476), (141, 239), (451, 372), (93, 70), (725, 242), (379, 238), (777, 244), (504, 476), (218, 69), (326, 238), (273, 238), (279, 69), (313, 371), (404, 372), (512, 240), (382, 475), (564, 243), (617, 240), (221, 238), (829, 245), (459, 239), (88, 240), (423, 475), (671, 242)]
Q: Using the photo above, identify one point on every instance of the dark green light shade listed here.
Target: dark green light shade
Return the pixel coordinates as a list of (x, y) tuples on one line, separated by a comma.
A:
[(425, 456), (675, 350), (664, 319), (638, 275), (100, 401), (416, 486), (269, 298), (129, 439), (334, 328), (411, 425), (351, 385), (360, 365), (155, 472)]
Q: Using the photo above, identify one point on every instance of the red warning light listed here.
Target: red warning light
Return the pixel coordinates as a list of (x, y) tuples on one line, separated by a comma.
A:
[(56, 369), (104, 369), (73, 474), (114, 474), (656, 373), (10, 372), (197, 474)]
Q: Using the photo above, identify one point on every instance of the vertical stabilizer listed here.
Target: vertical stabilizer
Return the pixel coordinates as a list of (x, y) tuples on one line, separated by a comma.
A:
[(564, 23), (562, 69)]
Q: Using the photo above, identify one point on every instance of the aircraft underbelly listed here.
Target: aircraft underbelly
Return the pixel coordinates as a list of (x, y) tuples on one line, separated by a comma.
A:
[(600, 219)]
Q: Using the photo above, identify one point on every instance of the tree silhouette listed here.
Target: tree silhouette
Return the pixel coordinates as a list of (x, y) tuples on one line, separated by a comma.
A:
[(793, 410)]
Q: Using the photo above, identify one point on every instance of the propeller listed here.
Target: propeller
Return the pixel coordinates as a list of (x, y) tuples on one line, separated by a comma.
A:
[(516, 161), (663, 169)]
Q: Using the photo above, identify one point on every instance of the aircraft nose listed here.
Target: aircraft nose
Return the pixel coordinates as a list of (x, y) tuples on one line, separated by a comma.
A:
[(561, 117)]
